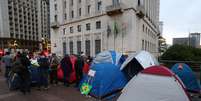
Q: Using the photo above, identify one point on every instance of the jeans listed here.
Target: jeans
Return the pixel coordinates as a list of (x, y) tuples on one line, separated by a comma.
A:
[(7, 71)]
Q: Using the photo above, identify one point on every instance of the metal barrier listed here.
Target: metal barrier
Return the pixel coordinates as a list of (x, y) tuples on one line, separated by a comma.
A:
[(195, 66)]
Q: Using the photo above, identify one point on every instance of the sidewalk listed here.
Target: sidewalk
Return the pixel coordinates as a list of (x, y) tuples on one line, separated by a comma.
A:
[(59, 93), (55, 93)]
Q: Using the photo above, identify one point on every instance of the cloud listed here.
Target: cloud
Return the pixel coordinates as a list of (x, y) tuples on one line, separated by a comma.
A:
[(180, 17)]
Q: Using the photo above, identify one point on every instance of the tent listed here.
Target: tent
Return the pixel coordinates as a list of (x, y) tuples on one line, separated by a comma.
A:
[(109, 57), (73, 59), (107, 80), (156, 83), (137, 62), (73, 75), (187, 76)]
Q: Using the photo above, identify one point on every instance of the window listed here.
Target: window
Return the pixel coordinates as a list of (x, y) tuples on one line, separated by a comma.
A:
[(143, 27), (80, 11), (97, 46), (72, 14), (99, 5), (98, 24), (55, 17), (115, 2), (88, 26), (79, 28), (71, 47), (64, 31), (87, 47), (88, 9), (65, 16), (55, 7), (78, 47), (64, 4), (145, 45), (71, 29), (142, 44), (64, 48), (71, 2)]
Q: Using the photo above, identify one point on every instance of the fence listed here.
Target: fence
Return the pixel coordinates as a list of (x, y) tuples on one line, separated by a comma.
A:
[(195, 65)]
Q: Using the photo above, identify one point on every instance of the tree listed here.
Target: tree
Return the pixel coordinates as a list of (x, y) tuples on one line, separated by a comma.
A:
[(182, 53)]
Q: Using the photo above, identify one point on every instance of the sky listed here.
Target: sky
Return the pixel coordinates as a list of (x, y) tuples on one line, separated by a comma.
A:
[(180, 17)]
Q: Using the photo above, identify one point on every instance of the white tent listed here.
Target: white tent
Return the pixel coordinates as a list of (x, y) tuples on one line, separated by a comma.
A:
[(137, 62), (143, 57), (154, 84)]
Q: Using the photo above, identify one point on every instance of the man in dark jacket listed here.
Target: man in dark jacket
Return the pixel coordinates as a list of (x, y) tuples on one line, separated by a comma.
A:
[(21, 68), (43, 70), (78, 69), (66, 67)]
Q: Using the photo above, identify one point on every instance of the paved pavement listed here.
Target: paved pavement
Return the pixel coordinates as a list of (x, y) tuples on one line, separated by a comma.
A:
[(55, 93)]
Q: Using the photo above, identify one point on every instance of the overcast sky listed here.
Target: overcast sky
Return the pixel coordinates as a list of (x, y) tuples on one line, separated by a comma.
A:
[(180, 17)]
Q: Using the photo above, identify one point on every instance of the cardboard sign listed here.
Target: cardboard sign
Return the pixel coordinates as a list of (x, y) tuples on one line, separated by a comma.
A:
[(92, 73)]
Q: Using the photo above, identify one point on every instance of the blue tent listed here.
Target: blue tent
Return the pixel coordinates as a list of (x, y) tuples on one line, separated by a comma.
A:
[(187, 76), (107, 80), (109, 57)]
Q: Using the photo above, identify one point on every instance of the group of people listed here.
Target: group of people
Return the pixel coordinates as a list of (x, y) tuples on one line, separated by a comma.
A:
[(48, 66)]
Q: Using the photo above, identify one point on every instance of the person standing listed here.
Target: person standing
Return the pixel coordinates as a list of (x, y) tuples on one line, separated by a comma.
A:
[(78, 69), (7, 60), (66, 67), (43, 71), (54, 62), (23, 72)]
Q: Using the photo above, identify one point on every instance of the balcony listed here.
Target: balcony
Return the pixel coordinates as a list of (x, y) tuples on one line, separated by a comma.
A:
[(114, 9), (140, 11), (55, 25)]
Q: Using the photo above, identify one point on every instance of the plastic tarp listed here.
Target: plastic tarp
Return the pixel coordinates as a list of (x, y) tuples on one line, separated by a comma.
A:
[(154, 87), (107, 79), (187, 76)]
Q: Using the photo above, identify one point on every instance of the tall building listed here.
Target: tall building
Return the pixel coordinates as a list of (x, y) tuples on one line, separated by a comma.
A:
[(181, 41), (92, 26), (23, 23), (194, 40)]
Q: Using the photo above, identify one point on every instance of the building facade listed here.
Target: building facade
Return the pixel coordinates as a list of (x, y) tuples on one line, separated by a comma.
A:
[(193, 40), (92, 26), (181, 41), (23, 23)]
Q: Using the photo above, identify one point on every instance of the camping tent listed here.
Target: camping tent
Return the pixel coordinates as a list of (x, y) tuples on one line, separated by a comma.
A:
[(73, 59), (107, 80), (137, 62), (187, 76), (72, 76), (109, 57), (155, 83)]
